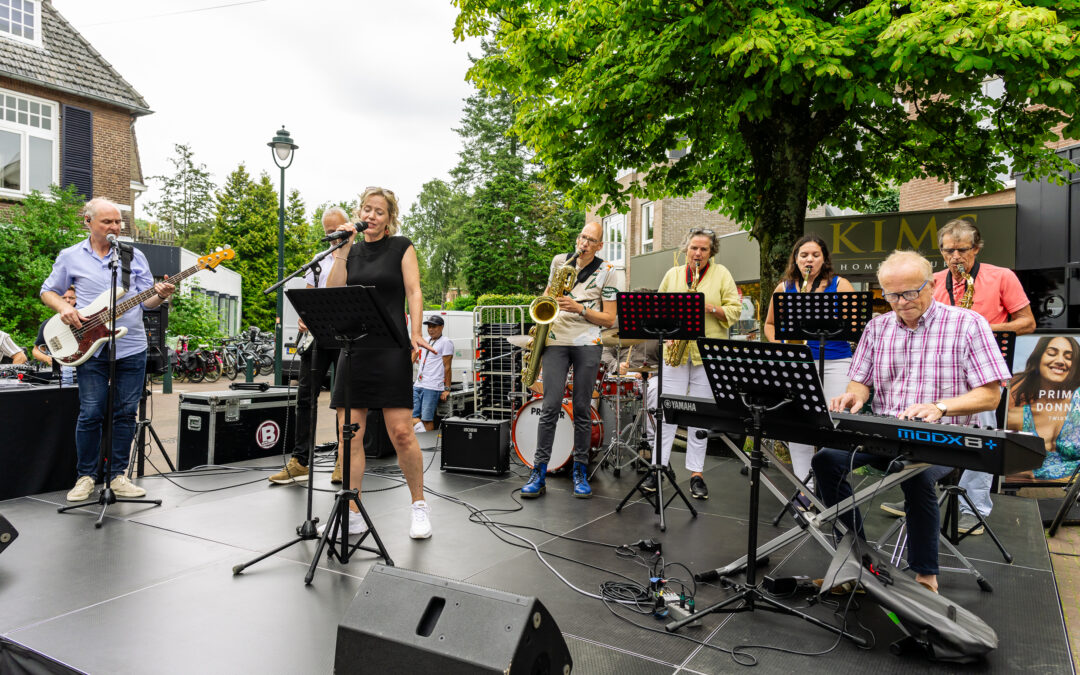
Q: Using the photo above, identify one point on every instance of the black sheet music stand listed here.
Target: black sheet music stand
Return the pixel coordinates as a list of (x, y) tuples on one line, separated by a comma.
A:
[(754, 383), (821, 317), (660, 316), (348, 318)]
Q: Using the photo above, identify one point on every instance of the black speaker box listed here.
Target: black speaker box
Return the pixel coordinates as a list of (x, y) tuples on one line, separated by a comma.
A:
[(475, 446), (408, 622), (156, 323), (376, 441), (7, 533)]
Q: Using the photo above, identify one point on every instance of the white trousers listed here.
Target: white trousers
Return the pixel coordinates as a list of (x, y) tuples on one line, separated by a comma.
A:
[(836, 381), (687, 380)]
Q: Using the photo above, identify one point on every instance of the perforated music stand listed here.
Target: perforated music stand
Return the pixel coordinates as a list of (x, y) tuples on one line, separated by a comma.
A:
[(821, 317), (754, 383), (660, 316), (348, 318)]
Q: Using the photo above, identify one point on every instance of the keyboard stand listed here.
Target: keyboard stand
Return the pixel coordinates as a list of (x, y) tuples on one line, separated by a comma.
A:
[(808, 524)]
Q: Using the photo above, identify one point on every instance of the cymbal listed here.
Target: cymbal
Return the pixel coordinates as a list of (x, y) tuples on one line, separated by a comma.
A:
[(518, 340), (610, 338), (643, 369)]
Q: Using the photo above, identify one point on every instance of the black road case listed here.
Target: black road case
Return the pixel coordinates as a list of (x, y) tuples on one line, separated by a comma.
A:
[(219, 427)]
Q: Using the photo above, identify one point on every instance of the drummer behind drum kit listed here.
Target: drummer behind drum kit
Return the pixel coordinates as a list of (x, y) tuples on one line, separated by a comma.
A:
[(618, 409)]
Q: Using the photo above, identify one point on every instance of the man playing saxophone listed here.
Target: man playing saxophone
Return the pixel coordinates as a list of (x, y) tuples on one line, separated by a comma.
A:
[(683, 372), (995, 294), (573, 339)]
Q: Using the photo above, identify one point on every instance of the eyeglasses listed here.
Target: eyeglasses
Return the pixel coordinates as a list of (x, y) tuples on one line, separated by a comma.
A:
[(961, 251), (588, 239), (910, 296), (701, 230)]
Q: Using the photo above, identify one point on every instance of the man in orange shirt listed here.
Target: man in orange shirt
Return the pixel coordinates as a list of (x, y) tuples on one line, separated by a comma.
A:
[(1000, 299)]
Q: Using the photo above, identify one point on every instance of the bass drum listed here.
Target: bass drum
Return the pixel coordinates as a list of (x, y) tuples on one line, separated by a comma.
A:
[(528, 421)]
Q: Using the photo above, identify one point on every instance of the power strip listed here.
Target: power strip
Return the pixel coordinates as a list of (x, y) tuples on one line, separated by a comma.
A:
[(675, 612)]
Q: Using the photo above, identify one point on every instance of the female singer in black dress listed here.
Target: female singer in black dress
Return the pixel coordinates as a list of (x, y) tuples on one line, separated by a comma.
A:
[(383, 378)]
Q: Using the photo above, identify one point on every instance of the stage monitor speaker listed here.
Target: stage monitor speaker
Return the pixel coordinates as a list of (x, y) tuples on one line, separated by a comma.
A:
[(376, 440), (7, 533), (408, 622), (156, 323), (475, 446)]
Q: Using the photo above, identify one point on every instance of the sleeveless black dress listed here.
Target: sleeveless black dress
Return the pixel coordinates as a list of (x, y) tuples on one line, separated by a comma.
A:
[(380, 378)]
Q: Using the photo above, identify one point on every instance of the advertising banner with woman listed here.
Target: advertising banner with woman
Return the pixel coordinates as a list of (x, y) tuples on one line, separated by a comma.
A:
[(1044, 399)]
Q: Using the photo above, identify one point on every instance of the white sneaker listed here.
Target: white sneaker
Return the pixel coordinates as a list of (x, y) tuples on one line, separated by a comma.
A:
[(82, 490), (122, 487), (356, 525), (421, 523), (419, 427)]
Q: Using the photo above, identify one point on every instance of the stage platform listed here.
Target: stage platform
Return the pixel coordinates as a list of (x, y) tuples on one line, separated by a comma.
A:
[(153, 590)]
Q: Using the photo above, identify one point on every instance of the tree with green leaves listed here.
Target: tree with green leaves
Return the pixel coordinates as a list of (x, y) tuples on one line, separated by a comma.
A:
[(781, 105), (434, 225), (32, 234), (186, 205), (246, 219), (191, 312)]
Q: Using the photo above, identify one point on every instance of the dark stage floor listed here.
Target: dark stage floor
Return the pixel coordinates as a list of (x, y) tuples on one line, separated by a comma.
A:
[(153, 591)]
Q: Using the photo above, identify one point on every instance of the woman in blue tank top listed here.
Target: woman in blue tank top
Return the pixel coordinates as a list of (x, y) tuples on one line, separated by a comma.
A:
[(810, 252)]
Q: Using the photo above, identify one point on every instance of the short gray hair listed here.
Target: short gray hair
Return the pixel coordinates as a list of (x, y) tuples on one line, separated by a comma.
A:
[(906, 258), (960, 229), (335, 210), (90, 210), (702, 232)]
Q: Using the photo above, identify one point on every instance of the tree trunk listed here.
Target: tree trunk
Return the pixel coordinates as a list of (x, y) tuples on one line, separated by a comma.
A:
[(781, 151)]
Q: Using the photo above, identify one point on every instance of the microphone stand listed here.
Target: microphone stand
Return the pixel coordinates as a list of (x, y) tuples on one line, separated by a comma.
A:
[(107, 497)]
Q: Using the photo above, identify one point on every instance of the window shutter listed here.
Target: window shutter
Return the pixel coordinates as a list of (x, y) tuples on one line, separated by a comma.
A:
[(77, 164)]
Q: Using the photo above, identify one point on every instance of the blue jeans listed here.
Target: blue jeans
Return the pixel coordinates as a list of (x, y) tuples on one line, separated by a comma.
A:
[(93, 395), (424, 403), (556, 363), (831, 468)]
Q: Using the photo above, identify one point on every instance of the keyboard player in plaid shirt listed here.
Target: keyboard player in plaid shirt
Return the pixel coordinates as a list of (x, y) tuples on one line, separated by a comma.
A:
[(924, 360)]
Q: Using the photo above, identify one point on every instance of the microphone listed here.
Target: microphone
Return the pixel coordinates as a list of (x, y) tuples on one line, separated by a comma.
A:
[(345, 234), (113, 241)]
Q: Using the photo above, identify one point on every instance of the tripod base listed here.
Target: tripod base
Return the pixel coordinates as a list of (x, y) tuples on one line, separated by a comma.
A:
[(106, 498), (335, 538), (306, 531), (659, 473), (751, 596)]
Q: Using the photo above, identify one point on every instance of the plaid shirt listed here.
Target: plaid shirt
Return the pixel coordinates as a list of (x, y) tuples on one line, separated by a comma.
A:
[(949, 353)]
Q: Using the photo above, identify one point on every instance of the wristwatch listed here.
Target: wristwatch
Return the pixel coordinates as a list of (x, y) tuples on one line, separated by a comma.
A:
[(446, 388), (941, 406), (583, 310)]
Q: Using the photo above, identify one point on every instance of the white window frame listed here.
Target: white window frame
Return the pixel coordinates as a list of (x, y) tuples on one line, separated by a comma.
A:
[(614, 250), (36, 40), (26, 131), (646, 227)]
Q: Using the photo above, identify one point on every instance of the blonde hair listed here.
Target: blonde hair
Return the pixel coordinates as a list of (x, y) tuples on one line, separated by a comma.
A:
[(391, 206), (907, 257)]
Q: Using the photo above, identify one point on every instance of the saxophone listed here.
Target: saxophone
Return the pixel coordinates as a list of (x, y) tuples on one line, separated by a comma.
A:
[(806, 280), (543, 311), (675, 353), (969, 292)]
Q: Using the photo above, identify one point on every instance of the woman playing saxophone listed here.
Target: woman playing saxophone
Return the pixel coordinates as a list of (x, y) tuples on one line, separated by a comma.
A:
[(687, 376)]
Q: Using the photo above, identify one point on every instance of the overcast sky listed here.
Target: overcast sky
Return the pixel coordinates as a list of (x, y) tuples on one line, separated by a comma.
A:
[(370, 91)]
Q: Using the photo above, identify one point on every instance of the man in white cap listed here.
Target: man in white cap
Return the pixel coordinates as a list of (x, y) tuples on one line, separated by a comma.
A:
[(432, 376)]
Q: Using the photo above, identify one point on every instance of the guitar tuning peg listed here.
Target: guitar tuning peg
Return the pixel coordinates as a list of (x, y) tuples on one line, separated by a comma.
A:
[(219, 249)]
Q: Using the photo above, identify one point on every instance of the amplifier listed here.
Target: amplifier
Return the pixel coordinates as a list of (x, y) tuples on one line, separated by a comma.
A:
[(475, 446), (156, 323)]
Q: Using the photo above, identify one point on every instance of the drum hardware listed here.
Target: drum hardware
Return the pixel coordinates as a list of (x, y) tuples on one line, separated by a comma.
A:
[(643, 370), (616, 387)]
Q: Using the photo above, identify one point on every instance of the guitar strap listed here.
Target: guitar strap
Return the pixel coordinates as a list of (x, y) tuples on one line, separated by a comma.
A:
[(126, 254)]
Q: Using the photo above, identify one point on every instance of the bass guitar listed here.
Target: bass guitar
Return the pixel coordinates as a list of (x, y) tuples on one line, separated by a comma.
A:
[(72, 346)]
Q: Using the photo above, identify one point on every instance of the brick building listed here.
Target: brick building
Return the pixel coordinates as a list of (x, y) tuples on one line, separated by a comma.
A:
[(649, 226), (66, 116)]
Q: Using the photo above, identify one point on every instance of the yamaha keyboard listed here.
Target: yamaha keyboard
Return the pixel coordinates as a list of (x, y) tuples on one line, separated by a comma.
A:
[(993, 451)]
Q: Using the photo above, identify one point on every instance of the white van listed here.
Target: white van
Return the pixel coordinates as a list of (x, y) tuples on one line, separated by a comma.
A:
[(290, 361)]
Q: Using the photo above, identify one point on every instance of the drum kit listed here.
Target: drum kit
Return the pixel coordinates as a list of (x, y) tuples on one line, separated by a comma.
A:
[(617, 417)]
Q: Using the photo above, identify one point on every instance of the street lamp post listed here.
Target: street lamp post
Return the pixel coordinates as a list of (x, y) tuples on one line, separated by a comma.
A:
[(282, 147)]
